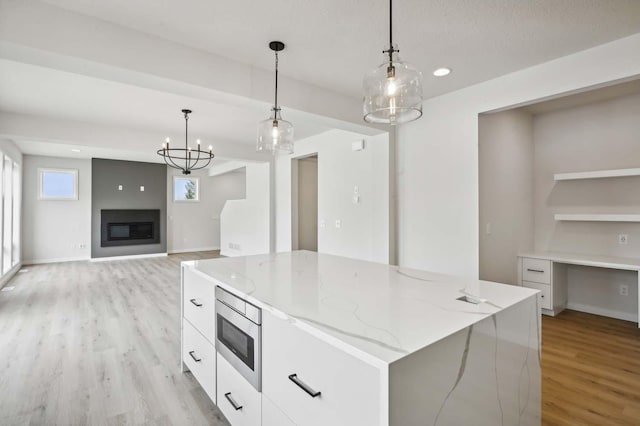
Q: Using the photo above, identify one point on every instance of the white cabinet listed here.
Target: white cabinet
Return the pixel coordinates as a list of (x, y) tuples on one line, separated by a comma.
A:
[(315, 383), (237, 399), (200, 357), (547, 277), (199, 303), (272, 415), (198, 329)]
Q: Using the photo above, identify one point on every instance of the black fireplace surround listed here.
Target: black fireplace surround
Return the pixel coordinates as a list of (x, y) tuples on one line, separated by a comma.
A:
[(129, 227)]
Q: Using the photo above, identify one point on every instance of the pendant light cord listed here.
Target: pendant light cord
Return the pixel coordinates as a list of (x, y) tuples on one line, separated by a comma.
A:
[(391, 49), (276, 94), (391, 24), (186, 139)]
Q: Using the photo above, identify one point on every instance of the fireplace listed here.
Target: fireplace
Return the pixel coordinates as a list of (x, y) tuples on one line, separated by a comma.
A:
[(129, 227)]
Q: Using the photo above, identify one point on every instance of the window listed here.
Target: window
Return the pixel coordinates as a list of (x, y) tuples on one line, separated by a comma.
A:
[(10, 207), (185, 189), (15, 257), (58, 184)]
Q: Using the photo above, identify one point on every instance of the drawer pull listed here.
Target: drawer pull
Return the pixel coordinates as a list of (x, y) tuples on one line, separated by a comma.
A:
[(232, 402), (194, 357), (535, 270), (195, 303), (307, 389)]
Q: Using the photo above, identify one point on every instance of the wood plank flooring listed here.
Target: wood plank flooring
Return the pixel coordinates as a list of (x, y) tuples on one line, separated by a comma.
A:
[(98, 343), (590, 370)]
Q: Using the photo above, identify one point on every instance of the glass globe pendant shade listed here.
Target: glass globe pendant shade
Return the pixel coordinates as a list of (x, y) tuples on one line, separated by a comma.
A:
[(392, 92), (275, 135)]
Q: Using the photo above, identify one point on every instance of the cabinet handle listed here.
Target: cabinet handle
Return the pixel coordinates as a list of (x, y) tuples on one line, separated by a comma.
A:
[(304, 387), (535, 270), (195, 303), (232, 402), (194, 357)]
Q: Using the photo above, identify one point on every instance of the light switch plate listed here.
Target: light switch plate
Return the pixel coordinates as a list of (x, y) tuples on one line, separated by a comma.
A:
[(119, 187), (141, 188)]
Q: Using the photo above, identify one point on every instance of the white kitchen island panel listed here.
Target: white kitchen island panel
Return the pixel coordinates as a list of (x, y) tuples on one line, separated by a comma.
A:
[(487, 374)]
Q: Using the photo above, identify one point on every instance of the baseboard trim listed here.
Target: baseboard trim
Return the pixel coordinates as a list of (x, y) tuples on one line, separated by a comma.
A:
[(56, 260), (626, 316), (192, 250), (127, 257), (7, 277)]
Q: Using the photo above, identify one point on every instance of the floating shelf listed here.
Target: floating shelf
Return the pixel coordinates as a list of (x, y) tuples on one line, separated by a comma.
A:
[(598, 217), (597, 174)]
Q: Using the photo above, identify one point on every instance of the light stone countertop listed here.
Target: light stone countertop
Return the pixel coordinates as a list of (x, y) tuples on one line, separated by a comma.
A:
[(377, 312)]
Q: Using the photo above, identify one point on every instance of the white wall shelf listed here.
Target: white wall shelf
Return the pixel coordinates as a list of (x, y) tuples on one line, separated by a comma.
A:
[(598, 217), (597, 174)]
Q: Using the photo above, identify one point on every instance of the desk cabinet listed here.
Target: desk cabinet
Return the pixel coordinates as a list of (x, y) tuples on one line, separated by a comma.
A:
[(549, 278)]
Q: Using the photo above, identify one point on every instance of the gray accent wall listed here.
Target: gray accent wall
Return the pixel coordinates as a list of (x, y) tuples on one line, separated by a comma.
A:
[(107, 175)]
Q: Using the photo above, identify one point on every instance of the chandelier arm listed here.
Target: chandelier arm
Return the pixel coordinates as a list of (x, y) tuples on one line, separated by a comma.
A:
[(165, 156), (203, 166), (173, 164)]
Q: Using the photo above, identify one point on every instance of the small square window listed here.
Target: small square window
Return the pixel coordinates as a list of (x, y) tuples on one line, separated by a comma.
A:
[(58, 184), (185, 189)]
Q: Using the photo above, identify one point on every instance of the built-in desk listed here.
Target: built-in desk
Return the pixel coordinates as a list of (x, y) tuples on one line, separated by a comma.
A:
[(547, 272)]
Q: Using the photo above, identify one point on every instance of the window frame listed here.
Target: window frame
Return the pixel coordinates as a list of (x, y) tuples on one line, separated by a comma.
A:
[(186, 200), (41, 173)]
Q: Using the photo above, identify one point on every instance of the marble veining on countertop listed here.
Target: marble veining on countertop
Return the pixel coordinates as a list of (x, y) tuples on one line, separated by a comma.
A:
[(378, 312)]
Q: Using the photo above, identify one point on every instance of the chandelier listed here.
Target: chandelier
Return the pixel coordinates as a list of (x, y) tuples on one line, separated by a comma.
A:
[(275, 135), (393, 91), (186, 159)]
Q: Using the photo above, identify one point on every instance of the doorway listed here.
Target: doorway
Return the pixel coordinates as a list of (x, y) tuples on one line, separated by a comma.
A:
[(304, 203)]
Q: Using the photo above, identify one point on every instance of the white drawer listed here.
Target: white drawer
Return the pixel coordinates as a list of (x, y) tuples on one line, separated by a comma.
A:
[(237, 399), (200, 357), (272, 415), (199, 303), (347, 389), (536, 270), (544, 295)]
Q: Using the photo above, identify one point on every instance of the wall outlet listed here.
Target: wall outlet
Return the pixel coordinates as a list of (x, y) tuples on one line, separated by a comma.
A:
[(338, 223), (322, 223), (82, 245), (234, 246), (623, 238), (624, 290)]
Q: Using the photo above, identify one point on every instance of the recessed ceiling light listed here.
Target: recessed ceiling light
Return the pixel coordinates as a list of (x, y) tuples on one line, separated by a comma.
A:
[(75, 150), (441, 72)]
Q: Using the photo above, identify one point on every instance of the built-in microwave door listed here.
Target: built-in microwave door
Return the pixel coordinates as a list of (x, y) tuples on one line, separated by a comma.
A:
[(238, 341)]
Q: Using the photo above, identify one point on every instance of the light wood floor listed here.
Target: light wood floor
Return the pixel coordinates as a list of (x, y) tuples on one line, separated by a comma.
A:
[(97, 343), (590, 370)]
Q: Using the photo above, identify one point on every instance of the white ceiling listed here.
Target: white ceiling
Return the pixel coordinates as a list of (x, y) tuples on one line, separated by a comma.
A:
[(332, 43), (34, 90)]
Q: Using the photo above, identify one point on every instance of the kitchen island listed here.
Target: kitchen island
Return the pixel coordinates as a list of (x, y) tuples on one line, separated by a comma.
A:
[(349, 342)]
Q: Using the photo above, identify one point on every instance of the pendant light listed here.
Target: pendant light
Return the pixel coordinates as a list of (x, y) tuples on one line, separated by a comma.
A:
[(275, 135), (187, 158), (393, 91)]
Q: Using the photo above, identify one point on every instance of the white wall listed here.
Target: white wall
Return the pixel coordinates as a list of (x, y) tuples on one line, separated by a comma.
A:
[(597, 136), (505, 193), (53, 231), (364, 231), (438, 155), (195, 226), (244, 224)]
